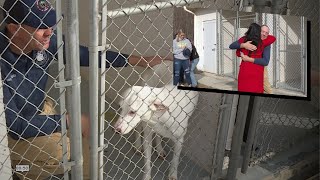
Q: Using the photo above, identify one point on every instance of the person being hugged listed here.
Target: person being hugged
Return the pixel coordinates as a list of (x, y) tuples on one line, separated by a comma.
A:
[(250, 78)]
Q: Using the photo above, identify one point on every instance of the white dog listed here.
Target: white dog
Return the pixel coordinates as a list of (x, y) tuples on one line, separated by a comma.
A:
[(164, 111)]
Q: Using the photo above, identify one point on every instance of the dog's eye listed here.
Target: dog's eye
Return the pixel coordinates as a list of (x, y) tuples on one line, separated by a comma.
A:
[(131, 113)]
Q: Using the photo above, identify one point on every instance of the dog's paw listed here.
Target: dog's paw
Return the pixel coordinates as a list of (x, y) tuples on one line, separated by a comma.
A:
[(146, 177), (173, 175)]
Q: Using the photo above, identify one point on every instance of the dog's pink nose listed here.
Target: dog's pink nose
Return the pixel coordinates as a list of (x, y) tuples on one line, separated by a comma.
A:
[(117, 130)]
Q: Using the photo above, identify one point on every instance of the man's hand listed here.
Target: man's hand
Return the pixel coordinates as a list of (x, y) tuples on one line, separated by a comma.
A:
[(85, 125), (246, 58), (147, 61), (247, 45)]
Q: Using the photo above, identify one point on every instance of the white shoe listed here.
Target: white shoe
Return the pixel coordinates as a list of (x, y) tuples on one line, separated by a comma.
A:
[(225, 162)]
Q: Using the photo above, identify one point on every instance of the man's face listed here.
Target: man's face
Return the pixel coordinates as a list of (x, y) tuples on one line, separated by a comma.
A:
[(264, 32), (34, 39)]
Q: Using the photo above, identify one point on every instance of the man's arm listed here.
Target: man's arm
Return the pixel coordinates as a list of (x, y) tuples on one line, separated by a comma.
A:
[(269, 40), (113, 59), (260, 61), (247, 45), (235, 45), (116, 59), (264, 61)]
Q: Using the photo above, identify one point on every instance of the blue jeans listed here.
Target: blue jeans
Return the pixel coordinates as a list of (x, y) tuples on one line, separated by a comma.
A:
[(194, 63), (177, 68)]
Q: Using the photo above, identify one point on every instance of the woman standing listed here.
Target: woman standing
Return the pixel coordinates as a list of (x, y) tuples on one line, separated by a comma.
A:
[(250, 78), (181, 52)]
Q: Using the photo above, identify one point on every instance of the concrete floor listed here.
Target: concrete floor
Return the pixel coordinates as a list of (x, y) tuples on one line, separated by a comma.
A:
[(213, 81), (123, 162)]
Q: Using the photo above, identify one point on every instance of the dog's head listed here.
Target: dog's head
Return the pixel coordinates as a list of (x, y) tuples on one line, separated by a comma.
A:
[(139, 103)]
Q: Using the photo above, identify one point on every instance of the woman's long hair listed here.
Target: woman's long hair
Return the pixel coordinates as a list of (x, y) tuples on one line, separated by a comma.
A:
[(180, 31), (253, 34)]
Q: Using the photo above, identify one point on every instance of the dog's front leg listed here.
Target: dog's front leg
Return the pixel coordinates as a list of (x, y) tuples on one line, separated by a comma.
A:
[(137, 142), (159, 148), (147, 148), (173, 172)]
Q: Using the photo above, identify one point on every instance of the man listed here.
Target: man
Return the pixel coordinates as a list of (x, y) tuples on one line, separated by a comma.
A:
[(261, 61), (27, 47)]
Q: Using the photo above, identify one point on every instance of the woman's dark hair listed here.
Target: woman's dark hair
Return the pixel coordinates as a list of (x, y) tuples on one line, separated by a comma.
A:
[(253, 34)]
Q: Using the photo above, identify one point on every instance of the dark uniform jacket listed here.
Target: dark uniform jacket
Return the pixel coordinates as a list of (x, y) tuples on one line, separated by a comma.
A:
[(24, 80)]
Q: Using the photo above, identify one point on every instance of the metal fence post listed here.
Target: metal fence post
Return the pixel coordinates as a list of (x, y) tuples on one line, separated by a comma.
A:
[(73, 67), (277, 51), (62, 100), (303, 59), (254, 119), (225, 120), (104, 17), (218, 36), (5, 170), (238, 136), (93, 85)]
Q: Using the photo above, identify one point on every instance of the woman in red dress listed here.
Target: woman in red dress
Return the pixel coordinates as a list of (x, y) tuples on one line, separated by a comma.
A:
[(250, 78)]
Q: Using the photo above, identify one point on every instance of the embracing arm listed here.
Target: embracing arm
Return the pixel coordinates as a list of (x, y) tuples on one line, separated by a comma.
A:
[(237, 44), (234, 45), (269, 40), (260, 61), (264, 61)]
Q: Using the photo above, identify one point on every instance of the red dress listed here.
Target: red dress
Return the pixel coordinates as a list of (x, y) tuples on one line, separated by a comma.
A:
[(250, 78)]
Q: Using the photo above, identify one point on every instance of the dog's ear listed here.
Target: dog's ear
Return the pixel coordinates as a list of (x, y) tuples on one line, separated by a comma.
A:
[(157, 105)]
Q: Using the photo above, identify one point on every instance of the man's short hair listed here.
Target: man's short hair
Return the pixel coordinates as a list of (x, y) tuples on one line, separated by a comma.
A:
[(34, 13)]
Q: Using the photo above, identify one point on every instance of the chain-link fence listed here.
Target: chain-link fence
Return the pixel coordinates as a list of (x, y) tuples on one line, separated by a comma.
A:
[(281, 123), (287, 68), (32, 96), (120, 160), (282, 127)]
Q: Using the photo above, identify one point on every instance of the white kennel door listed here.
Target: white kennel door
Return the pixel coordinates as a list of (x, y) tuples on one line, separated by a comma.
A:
[(209, 46)]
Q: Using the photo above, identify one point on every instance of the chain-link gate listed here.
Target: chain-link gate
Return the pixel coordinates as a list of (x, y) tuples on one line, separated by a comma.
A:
[(149, 33), (228, 33), (281, 128), (34, 100), (233, 26), (288, 66)]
